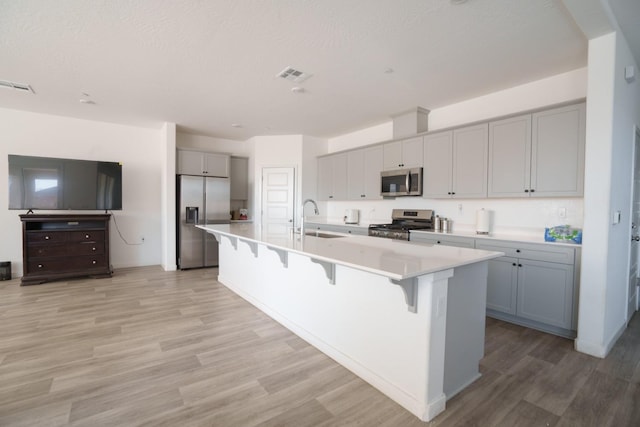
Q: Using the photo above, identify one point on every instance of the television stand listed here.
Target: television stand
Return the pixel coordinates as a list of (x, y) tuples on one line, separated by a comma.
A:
[(64, 246)]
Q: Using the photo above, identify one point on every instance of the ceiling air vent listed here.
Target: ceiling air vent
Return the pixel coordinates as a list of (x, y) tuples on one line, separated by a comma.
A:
[(293, 75), (17, 86)]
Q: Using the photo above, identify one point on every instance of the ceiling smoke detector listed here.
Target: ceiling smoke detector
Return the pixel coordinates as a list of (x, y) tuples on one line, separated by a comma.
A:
[(17, 86), (293, 75)]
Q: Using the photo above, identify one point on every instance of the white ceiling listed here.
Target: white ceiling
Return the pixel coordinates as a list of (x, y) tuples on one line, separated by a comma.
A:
[(206, 65)]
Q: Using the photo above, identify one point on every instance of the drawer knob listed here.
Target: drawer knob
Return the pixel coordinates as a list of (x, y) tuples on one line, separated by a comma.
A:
[(86, 236), (93, 262), (93, 249), (518, 250), (46, 237), (39, 265)]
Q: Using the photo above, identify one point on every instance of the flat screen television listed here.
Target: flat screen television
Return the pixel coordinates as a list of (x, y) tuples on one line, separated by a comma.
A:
[(48, 183)]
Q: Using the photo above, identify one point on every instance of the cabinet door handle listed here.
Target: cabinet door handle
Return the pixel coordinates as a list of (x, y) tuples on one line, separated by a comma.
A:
[(526, 191), (519, 265), (438, 242), (518, 250), (514, 264), (532, 190)]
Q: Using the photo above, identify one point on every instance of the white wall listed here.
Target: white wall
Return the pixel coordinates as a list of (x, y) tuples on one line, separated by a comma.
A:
[(613, 111), (138, 149), (510, 215), (168, 197)]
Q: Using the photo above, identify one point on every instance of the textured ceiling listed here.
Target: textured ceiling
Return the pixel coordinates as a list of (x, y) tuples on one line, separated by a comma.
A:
[(206, 65)]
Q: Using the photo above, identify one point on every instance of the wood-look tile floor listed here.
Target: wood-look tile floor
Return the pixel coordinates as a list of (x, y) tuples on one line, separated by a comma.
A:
[(155, 348)]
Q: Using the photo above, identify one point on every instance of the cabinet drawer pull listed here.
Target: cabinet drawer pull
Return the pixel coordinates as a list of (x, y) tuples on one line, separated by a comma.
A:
[(93, 249), (46, 237), (526, 191), (438, 242), (514, 264), (93, 262), (518, 250), (39, 265), (519, 265), (86, 236)]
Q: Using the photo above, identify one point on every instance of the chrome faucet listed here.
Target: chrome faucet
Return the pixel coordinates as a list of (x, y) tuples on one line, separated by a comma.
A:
[(315, 210)]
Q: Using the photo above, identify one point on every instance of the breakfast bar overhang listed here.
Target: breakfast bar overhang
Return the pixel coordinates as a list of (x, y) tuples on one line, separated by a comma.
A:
[(407, 318)]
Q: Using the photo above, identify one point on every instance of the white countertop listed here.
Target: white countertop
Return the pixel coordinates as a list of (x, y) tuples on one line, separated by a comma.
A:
[(394, 259), (515, 235), (525, 238)]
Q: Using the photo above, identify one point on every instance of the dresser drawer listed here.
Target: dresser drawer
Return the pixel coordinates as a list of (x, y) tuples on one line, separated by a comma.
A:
[(46, 236), (70, 263), (47, 250), (86, 236)]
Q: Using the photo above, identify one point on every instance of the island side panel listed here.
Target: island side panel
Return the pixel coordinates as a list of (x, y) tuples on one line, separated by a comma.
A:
[(362, 321), (466, 306)]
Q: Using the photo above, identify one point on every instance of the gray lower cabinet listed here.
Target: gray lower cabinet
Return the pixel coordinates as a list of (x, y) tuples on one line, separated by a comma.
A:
[(337, 228), (441, 239), (534, 285), (502, 285)]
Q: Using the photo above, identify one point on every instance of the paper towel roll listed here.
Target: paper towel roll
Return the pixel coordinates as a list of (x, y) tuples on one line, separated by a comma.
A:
[(483, 219)]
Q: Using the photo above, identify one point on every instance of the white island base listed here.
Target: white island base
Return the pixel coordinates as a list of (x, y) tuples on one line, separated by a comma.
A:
[(418, 352)]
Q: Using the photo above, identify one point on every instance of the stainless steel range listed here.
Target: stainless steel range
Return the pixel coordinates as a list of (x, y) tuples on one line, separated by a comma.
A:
[(402, 222)]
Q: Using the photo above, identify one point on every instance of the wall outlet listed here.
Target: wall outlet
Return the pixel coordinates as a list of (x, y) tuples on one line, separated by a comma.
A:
[(459, 208), (562, 212)]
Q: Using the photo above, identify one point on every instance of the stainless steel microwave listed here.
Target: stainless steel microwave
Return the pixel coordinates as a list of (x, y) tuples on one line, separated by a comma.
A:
[(401, 182)]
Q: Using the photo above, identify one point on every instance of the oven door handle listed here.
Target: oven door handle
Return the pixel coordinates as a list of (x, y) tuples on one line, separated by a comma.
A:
[(408, 182)]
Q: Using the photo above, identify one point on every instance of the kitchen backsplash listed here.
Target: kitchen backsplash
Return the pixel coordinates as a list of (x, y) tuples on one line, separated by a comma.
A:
[(509, 215)]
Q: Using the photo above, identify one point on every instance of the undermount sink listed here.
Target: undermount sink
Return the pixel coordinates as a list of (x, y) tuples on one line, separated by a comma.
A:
[(323, 235)]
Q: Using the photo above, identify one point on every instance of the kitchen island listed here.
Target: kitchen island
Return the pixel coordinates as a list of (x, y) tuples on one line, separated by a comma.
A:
[(409, 319)]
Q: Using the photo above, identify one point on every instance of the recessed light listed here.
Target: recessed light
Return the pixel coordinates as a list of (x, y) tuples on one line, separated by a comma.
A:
[(458, 1), (86, 101), (389, 71), (236, 125), (297, 89)]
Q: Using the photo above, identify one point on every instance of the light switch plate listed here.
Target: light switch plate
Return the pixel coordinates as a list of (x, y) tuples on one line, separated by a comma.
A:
[(616, 217)]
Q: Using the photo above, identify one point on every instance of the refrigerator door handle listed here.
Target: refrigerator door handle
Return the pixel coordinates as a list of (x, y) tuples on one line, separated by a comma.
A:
[(191, 216)]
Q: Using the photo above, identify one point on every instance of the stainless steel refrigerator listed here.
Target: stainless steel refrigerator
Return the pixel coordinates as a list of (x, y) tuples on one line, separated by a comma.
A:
[(200, 200)]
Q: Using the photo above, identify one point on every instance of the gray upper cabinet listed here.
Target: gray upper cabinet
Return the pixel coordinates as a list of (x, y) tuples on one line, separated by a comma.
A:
[(202, 163), (332, 177), (510, 157), (239, 178), (455, 163), (438, 163), (403, 154), (363, 173), (557, 152), (538, 155)]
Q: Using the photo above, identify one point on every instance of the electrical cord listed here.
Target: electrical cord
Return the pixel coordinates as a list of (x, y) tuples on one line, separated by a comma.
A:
[(120, 234)]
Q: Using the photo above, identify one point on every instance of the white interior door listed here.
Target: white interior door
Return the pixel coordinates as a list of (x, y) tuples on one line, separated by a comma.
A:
[(278, 200), (635, 231)]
